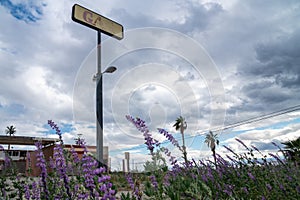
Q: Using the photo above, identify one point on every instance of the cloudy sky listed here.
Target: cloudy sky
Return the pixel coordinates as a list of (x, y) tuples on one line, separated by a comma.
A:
[(213, 62)]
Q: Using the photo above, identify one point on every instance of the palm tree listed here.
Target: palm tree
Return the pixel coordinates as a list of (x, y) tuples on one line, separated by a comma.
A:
[(10, 130), (181, 125), (211, 140), (292, 150)]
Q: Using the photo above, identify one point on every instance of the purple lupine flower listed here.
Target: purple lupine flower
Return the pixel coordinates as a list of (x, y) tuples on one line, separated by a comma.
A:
[(169, 137), (256, 149), (103, 187), (88, 167), (75, 156), (231, 159), (108, 193), (41, 163), (204, 178), (36, 193), (28, 158), (298, 189), (269, 187), (202, 163), (189, 164), (60, 165), (57, 130), (51, 163), (154, 182), (281, 187), (76, 189), (222, 161), (27, 192), (276, 145), (100, 170), (104, 178), (130, 181), (263, 198), (134, 187), (251, 176), (83, 196), (3, 193), (228, 192), (276, 157), (245, 190), (172, 159), (209, 174), (141, 126), (240, 141), (230, 150), (166, 179)]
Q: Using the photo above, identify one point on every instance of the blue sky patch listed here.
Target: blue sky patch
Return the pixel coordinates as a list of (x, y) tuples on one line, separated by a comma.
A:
[(28, 11), (14, 109), (64, 128)]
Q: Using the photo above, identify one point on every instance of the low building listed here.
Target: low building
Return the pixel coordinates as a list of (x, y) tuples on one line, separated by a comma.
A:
[(20, 157)]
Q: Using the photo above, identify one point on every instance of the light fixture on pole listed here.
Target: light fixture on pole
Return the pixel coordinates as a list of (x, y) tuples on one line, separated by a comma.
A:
[(110, 69), (99, 112)]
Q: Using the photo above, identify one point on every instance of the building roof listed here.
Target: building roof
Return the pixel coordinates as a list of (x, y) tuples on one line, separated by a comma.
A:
[(24, 140)]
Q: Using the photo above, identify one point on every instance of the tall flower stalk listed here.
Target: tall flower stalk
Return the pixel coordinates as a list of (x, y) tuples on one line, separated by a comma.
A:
[(141, 126), (54, 126), (61, 167), (41, 163)]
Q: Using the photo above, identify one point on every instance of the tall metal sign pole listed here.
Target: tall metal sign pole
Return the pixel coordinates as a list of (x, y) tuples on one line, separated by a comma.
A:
[(104, 25)]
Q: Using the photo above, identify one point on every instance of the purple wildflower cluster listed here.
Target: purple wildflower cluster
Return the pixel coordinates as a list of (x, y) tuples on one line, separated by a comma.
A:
[(75, 157), (41, 163), (61, 168), (66, 176), (141, 126), (238, 176), (95, 180), (242, 143), (54, 126), (172, 159), (135, 187), (169, 137), (27, 192), (88, 166), (154, 181)]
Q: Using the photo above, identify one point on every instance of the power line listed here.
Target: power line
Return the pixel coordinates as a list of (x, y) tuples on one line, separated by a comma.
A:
[(236, 124), (260, 118), (253, 119)]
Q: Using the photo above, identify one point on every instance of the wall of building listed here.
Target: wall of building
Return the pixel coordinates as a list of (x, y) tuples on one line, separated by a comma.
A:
[(17, 159), (49, 152)]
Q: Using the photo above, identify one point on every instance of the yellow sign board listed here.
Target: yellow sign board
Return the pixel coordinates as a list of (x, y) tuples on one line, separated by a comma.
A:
[(98, 22)]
